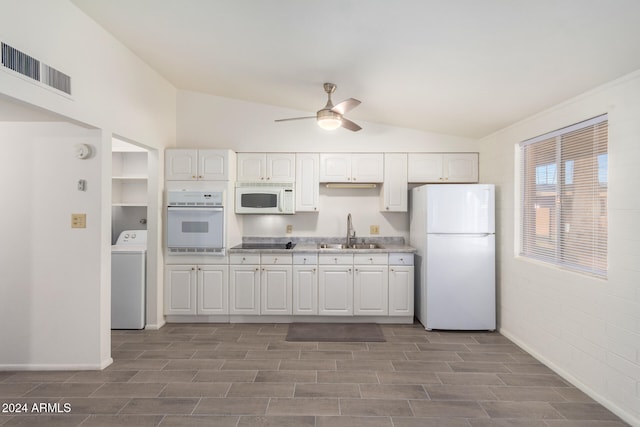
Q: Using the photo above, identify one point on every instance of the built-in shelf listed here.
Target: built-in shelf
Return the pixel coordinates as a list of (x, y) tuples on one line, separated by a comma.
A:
[(129, 178)]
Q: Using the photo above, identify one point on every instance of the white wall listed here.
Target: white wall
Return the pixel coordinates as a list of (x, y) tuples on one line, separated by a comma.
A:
[(50, 306), (206, 121), (586, 329), (116, 92)]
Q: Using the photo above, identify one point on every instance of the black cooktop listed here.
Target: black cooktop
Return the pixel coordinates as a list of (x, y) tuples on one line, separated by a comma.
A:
[(288, 245)]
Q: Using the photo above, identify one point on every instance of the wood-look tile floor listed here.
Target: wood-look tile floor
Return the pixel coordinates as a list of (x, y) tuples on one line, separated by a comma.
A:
[(240, 375)]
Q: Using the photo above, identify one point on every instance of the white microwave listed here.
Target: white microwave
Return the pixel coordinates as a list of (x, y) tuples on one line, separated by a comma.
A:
[(258, 198)]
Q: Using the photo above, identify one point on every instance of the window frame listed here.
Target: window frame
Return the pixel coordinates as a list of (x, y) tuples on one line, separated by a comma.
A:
[(556, 257)]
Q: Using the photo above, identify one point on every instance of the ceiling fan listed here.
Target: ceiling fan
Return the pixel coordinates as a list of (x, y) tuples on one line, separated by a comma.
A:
[(331, 116)]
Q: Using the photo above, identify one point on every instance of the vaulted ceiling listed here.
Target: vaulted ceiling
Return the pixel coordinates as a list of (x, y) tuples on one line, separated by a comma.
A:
[(462, 67)]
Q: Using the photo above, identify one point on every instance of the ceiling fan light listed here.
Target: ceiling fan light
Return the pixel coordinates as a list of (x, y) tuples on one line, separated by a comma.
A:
[(329, 120)]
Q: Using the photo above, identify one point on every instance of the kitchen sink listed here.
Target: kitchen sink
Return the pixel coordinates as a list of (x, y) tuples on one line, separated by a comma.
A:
[(343, 246)]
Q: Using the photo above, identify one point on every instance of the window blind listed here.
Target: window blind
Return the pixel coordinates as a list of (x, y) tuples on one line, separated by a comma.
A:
[(564, 184)]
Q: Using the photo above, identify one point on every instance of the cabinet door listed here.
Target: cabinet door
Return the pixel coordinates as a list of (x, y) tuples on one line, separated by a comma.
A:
[(461, 167), (335, 290), (307, 182), (213, 288), (368, 167), (335, 167), (395, 190), (213, 165), (281, 167), (244, 289), (181, 165), (252, 167), (180, 289), (401, 290), (425, 167), (305, 290), (371, 290), (276, 290)]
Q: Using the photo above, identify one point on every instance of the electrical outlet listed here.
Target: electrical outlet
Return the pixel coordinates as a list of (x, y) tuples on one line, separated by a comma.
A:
[(374, 229), (289, 228), (78, 220)]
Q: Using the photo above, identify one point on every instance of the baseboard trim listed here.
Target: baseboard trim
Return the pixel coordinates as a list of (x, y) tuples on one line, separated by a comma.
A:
[(56, 367), (623, 414)]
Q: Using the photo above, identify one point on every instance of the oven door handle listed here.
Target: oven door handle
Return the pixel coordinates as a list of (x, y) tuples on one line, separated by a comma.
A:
[(196, 209)]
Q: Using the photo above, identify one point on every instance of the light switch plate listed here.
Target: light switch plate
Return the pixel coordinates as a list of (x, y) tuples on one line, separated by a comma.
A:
[(374, 229), (289, 228), (78, 220)]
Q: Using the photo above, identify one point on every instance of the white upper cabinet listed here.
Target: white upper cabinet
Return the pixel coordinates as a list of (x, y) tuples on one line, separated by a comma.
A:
[(394, 193), (307, 182), (266, 167), (443, 167), (347, 167), (194, 165)]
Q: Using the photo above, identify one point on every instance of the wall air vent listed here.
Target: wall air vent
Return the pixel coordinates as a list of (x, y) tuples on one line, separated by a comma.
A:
[(28, 66)]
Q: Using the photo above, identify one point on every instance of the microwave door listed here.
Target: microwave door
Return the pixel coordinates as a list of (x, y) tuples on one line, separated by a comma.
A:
[(195, 227)]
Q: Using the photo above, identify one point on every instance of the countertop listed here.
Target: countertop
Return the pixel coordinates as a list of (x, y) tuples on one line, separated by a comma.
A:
[(307, 245)]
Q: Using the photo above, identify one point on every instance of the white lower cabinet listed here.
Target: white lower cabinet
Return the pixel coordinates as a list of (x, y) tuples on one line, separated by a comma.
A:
[(196, 289), (244, 285), (213, 289), (371, 285), (335, 285), (305, 284), (276, 284), (401, 284)]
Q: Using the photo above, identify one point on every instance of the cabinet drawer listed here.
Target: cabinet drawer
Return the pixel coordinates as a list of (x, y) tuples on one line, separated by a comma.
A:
[(370, 259), (401, 259), (243, 259), (275, 259), (336, 259), (305, 259)]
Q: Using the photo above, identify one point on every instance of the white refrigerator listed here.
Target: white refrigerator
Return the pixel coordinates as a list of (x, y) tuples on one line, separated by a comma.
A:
[(452, 226)]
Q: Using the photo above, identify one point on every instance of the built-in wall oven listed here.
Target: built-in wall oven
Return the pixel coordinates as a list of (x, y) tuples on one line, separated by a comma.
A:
[(195, 223)]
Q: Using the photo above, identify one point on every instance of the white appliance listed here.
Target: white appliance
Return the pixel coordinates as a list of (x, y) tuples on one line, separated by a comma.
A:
[(452, 226), (129, 280), (195, 222), (258, 198)]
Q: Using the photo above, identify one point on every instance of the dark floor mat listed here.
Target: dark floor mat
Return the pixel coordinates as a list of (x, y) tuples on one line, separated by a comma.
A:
[(338, 332)]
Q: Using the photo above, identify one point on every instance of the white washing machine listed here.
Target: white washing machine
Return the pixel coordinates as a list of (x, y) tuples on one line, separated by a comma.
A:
[(129, 280)]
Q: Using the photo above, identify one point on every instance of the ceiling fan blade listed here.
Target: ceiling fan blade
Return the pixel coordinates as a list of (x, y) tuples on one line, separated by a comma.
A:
[(346, 105), (348, 124), (295, 118)]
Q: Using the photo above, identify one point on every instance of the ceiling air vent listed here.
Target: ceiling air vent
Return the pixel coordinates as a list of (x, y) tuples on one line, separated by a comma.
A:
[(30, 67)]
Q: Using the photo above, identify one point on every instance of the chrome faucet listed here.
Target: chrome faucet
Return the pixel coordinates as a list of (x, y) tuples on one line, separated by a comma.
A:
[(351, 233)]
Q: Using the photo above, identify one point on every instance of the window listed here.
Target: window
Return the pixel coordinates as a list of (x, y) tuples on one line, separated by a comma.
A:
[(564, 197)]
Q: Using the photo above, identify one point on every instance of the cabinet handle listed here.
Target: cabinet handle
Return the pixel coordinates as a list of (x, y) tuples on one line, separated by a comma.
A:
[(387, 207), (268, 178), (349, 271), (315, 208), (357, 270), (275, 260), (262, 269), (199, 269), (193, 268), (262, 177), (194, 177), (243, 259), (199, 176), (393, 269), (348, 179), (258, 269), (314, 270), (354, 178)]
